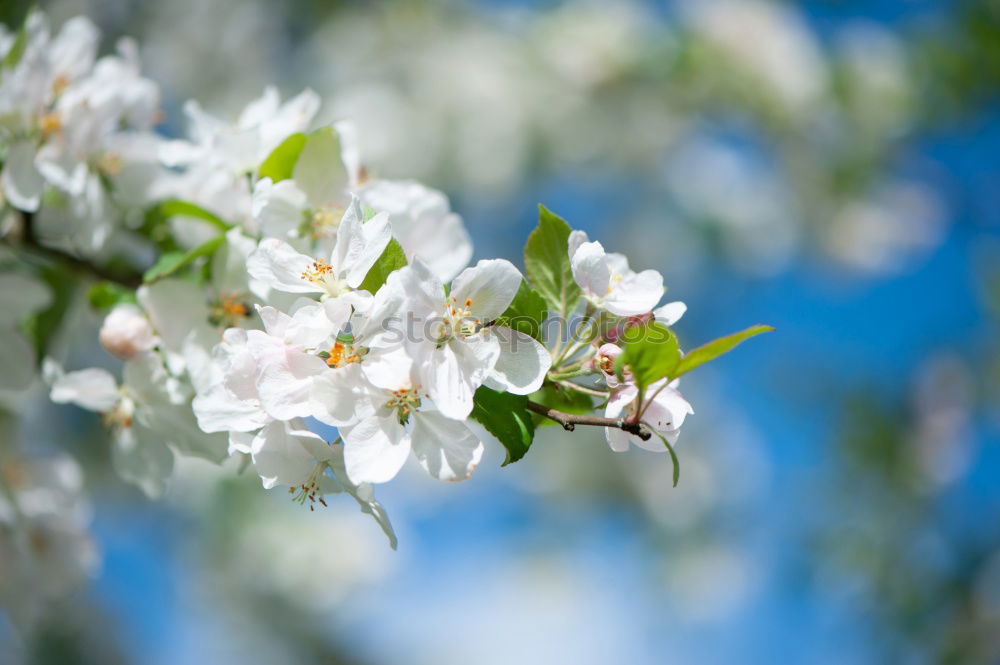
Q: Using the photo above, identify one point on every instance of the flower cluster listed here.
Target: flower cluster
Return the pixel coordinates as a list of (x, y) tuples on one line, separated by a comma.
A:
[(301, 313)]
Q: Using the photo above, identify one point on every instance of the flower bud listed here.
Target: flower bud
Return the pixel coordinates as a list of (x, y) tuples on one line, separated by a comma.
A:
[(126, 332)]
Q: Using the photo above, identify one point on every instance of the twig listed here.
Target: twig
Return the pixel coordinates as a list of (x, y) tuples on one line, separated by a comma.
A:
[(30, 241), (569, 421)]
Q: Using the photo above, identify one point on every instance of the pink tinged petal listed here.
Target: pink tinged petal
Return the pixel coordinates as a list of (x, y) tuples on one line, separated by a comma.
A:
[(278, 265), (359, 243), (93, 389), (670, 313), (636, 294), (522, 364), (490, 286), (447, 449), (336, 397), (280, 456), (620, 400), (21, 181), (375, 450), (590, 269)]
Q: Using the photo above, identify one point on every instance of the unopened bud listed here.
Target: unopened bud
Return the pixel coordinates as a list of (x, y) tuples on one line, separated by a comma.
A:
[(126, 332)]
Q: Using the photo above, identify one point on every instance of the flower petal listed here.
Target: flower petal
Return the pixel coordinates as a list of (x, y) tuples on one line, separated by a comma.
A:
[(375, 450), (94, 389), (447, 449), (636, 294), (670, 313), (522, 364), (278, 265), (490, 286)]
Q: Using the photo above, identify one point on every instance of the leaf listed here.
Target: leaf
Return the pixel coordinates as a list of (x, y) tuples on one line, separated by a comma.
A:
[(392, 259), (651, 352), (546, 263), (188, 209), (319, 171), (280, 164), (673, 454), (506, 417), (17, 48), (105, 295), (714, 349), (42, 328), (526, 312), (171, 262)]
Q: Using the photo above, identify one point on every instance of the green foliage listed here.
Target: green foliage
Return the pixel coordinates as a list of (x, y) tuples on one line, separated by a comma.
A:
[(651, 352), (506, 417), (42, 328), (392, 259), (280, 164), (673, 456), (17, 48), (526, 312), (105, 295), (175, 208), (546, 262), (714, 349), (170, 262)]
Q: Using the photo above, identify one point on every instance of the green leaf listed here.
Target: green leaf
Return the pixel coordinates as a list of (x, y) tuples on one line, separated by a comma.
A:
[(43, 327), (651, 352), (280, 164), (187, 209), (673, 455), (526, 312), (392, 259), (17, 48), (546, 262), (714, 349), (506, 417), (105, 295), (171, 262), (319, 170)]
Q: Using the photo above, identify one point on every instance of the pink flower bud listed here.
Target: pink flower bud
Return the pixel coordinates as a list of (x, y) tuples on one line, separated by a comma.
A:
[(126, 332)]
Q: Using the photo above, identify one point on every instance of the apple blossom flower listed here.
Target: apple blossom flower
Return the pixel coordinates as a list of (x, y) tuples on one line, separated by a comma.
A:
[(459, 348), (359, 244), (607, 281), (664, 411)]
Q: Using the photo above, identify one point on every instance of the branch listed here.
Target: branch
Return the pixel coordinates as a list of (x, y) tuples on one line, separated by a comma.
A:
[(569, 421), (30, 241)]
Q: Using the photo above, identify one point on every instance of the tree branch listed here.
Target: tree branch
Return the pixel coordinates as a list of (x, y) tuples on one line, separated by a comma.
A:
[(569, 421), (30, 242)]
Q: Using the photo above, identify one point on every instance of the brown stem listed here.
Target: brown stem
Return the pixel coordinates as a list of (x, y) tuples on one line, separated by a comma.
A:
[(30, 242), (569, 421)]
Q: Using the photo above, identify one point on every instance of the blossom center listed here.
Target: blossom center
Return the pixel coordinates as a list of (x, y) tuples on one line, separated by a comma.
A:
[(49, 124), (310, 490), (458, 320), (121, 415), (229, 310), (322, 274), (404, 402)]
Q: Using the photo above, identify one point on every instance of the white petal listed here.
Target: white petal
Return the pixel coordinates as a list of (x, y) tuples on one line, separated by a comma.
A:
[(491, 286), (219, 410), (375, 450), (278, 265), (447, 449), (522, 364), (336, 397), (21, 295), (576, 239), (359, 243), (22, 183), (319, 170), (635, 295), (241, 442), (93, 389), (280, 456), (453, 372), (284, 376), (590, 269), (176, 307), (670, 313), (278, 207)]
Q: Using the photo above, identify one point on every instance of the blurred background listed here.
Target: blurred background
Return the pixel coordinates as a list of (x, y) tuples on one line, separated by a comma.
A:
[(827, 167)]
